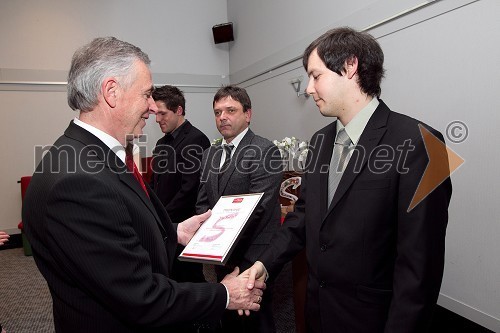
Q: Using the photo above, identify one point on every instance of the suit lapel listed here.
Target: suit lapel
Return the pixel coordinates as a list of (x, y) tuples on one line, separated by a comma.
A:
[(170, 158), (237, 156), (167, 229), (325, 148), (183, 133), (370, 138), (213, 160), (168, 161), (128, 179), (113, 162)]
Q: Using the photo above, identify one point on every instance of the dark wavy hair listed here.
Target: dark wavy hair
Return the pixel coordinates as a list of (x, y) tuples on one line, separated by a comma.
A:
[(237, 93), (339, 45), (171, 96)]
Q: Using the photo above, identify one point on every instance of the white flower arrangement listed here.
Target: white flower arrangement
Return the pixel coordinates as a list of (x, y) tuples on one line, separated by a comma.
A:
[(292, 149), (216, 141)]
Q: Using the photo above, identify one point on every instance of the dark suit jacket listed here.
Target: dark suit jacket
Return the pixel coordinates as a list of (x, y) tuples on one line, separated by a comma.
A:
[(255, 167), (176, 170), (104, 247), (372, 265)]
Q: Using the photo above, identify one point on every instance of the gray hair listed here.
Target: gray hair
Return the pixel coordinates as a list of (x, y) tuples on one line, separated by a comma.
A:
[(92, 63)]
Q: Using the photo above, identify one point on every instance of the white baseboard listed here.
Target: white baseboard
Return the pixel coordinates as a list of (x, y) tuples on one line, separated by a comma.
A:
[(469, 312), (12, 231)]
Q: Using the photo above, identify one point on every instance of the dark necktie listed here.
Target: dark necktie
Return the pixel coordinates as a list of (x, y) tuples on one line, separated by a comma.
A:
[(228, 149), (337, 163), (129, 161)]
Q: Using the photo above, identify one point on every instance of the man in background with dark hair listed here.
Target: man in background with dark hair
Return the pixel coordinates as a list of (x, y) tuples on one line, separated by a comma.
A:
[(243, 163), (375, 257), (176, 167)]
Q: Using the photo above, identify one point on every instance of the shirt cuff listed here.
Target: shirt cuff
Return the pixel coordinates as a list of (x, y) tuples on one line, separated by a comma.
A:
[(227, 293), (265, 271)]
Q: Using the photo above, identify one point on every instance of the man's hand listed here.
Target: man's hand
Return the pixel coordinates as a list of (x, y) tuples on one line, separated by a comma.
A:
[(4, 237), (240, 297), (255, 273), (187, 228)]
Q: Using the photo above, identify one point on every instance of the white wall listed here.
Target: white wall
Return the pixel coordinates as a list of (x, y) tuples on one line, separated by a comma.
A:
[(264, 27), (437, 58), (177, 35), (37, 40), (269, 33), (442, 65)]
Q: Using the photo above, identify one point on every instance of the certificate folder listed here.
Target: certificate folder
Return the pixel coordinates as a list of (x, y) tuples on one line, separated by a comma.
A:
[(217, 237)]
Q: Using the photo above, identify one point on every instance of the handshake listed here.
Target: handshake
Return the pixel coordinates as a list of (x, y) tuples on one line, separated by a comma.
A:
[(246, 290)]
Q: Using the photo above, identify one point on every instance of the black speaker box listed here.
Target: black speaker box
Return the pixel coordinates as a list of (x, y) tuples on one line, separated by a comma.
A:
[(223, 33)]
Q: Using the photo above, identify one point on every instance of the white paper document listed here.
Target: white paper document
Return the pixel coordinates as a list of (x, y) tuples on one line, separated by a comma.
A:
[(216, 238)]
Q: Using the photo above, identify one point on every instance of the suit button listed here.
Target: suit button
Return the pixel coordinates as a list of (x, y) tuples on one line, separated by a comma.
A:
[(165, 239), (323, 248), (322, 284)]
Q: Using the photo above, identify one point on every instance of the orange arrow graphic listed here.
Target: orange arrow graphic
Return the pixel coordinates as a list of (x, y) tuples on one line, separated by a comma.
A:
[(443, 161)]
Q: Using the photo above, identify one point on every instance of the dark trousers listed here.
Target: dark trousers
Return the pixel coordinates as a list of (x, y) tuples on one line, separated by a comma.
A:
[(183, 271)]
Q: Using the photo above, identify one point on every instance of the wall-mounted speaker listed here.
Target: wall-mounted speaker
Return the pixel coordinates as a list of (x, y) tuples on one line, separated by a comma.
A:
[(223, 32)]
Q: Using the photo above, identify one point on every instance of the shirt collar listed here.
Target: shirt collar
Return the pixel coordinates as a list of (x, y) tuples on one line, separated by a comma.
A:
[(107, 139), (176, 131), (236, 141), (357, 125)]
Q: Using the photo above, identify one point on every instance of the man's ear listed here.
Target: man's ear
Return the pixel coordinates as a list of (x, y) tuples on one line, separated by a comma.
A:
[(248, 115), (351, 67), (109, 91), (179, 110)]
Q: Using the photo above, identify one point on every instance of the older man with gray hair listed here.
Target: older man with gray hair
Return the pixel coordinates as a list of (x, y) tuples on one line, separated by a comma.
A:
[(100, 236)]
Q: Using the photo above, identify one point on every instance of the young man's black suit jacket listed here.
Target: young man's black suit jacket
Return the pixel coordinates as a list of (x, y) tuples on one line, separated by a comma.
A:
[(104, 247), (373, 266), (176, 177)]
